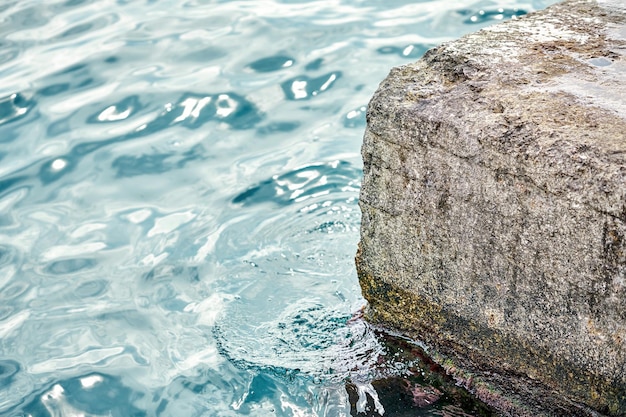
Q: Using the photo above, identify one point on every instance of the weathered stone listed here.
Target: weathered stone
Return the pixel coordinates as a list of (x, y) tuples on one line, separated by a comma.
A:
[(494, 209)]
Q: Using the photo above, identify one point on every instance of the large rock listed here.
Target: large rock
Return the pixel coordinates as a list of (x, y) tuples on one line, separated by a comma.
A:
[(494, 209)]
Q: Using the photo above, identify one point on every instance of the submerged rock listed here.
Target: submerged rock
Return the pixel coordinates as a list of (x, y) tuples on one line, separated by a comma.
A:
[(494, 209), (405, 382)]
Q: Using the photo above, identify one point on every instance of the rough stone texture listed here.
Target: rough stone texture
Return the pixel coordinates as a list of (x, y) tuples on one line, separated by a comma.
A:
[(494, 209)]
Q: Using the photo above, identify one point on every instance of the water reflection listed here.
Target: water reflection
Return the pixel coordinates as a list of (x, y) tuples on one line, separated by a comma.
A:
[(191, 111), (272, 63), (304, 87), (304, 337), (56, 168), (409, 51), (14, 290), (314, 65), (278, 127), (118, 111), (355, 118), (14, 107), (8, 51), (69, 266), (486, 15)]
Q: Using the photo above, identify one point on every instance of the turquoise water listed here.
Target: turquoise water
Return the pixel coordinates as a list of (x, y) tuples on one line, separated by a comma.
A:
[(178, 204)]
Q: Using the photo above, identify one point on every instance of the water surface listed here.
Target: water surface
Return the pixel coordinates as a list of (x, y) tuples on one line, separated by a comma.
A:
[(178, 203)]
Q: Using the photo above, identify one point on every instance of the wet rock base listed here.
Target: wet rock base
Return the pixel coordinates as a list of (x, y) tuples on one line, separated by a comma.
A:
[(494, 210), (412, 385)]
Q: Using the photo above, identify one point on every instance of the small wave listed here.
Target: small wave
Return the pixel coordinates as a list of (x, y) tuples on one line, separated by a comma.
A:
[(301, 184), (306, 337)]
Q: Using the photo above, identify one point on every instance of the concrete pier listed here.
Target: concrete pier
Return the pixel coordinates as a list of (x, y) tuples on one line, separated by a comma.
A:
[(494, 209)]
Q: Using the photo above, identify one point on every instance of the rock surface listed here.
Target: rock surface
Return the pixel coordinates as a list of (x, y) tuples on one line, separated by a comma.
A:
[(494, 209)]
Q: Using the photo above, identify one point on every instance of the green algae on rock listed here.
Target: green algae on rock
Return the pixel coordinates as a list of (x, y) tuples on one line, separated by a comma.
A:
[(494, 209)]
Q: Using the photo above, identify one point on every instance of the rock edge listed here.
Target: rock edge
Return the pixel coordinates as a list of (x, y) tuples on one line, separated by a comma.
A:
[(494, 209)]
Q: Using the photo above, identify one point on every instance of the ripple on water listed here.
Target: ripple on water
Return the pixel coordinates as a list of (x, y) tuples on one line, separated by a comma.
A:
[(116, 112), (314, 65), (68, 4), (75, 396), (305, 337), (228, 394), (207, 54), (355, 118), (306, 327), (87, 27), (14, 290), (190, 110), (272, 63), (165, 272), (56, 168), (8, 51), (320, 197), (128, 108), (69, 266), (300, 184), (71, 80), (8, 255), (8, 369), (6, 312), (304, 87), (93, 288), (14, 107)]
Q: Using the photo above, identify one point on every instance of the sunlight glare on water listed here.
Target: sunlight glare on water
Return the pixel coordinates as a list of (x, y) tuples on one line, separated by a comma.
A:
[(178, 202)]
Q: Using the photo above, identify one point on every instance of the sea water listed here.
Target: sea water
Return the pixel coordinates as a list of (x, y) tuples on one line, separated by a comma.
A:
[(178, 202)]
